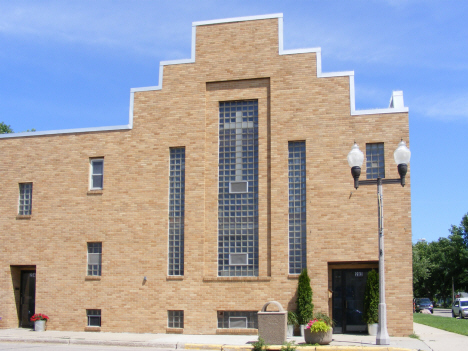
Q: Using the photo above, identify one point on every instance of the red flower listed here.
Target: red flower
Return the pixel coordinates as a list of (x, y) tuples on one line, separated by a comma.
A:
[(39, 317)]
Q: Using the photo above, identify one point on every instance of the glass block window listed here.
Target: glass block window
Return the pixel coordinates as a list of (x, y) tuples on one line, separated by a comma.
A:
[(297, 206), (94, 258), (176, 211), (94, 318), (25, 199), (175, 319), (375, 163), (238, 204), (237, 319), (97, 173)]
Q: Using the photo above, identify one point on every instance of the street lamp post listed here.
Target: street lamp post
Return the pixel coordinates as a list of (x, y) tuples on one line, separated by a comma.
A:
[(402, 157)]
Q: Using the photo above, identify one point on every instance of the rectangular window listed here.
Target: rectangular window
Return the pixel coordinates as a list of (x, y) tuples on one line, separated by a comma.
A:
[(297, 206), (375, 163), (238, 188), (97, 173), (237, 319), (25, 199), (176, 210), (94, 258), (175, 319), (94, 318)]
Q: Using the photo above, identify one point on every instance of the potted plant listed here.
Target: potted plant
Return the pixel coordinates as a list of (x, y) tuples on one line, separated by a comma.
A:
[(39, 320), (292, 322), (371, 302), (305, 307), (319, 330)]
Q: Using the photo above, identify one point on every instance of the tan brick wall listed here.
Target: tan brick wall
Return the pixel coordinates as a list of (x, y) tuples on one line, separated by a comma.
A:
[(234, 61)]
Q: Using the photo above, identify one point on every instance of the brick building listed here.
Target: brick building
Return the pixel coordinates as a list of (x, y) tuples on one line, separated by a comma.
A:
[(230, 177)]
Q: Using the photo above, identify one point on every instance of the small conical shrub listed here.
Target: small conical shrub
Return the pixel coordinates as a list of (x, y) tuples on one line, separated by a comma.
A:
[(305, 307)]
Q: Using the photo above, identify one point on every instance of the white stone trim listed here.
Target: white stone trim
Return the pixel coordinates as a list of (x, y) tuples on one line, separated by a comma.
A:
[(396, 102)]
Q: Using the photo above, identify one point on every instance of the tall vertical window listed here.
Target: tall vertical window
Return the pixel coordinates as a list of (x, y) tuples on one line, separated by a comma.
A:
[(97, 173), (25, 199), (375, 163), (176, 210), (238, 189), (297, 206), (94, 258)]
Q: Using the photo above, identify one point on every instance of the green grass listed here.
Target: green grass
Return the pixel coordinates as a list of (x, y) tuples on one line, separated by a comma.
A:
[(454, 325)]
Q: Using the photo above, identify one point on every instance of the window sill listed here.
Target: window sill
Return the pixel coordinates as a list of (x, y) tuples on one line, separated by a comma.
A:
[(236, 279), (293, 276), (174, 330), (92, 329), (23, 217), (175, 277), (243, 331), (93, 277), (96, 192)]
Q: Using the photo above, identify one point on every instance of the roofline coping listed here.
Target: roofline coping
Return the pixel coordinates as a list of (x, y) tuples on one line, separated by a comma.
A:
[(320, 74)]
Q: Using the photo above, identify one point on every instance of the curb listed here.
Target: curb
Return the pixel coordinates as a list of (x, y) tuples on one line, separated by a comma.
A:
[(187, 346)]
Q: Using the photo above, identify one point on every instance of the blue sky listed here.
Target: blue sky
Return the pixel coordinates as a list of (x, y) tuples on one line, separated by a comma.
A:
[(71, 64)]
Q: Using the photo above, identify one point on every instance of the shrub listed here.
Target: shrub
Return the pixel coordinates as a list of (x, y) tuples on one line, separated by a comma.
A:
[(371, 298), (305, 307), (259, 345)]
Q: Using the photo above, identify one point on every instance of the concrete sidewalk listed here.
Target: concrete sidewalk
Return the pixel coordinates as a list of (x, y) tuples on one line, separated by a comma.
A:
[(440, 340), (201, 342)]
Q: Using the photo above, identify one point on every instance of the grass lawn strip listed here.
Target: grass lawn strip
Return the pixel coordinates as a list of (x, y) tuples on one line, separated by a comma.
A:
[(454, 325)]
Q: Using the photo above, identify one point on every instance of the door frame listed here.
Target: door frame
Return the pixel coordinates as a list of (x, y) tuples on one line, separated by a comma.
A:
[(347, 266)]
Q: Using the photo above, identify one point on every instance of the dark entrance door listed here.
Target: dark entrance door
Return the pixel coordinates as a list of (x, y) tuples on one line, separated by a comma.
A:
[(27, 298), (348, 300)]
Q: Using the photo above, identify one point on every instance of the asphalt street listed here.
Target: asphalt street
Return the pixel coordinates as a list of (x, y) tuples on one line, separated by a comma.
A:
[(443, 312)]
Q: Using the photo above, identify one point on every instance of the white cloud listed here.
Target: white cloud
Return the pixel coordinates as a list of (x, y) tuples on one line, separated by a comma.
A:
[(442, 107)]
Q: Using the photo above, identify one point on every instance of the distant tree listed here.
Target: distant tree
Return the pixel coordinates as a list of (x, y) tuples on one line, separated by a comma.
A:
[(4, 129), (439, 263)]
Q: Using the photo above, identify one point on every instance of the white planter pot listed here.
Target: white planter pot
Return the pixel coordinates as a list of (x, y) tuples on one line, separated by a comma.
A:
[(372, 328), (290, 330), (39, 325), (302, 329)]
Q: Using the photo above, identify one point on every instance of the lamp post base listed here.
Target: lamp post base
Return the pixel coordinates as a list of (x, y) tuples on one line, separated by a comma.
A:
[(382, 334)]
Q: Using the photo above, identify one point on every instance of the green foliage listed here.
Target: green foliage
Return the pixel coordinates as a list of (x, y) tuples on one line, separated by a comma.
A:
[(435, 264), (305, 307), (317, 326), (414, 336), (5, 129), (289, 346), (323, 317), (259, 345), (371, 298), (292, 318), (454, 325)]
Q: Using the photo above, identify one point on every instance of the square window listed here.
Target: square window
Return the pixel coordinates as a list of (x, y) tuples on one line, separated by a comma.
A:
[(94, 259), (375, 164), (94, 318), (97, 173), (175, 319), (25, 199)]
